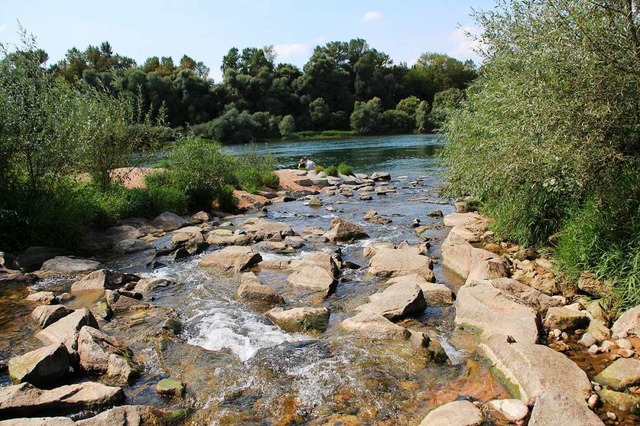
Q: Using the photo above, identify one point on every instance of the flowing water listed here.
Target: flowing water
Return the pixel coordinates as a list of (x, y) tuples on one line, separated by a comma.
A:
[(241, 369)]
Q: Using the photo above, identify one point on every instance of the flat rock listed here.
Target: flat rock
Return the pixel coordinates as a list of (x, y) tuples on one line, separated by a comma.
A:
[(131, 246), (313, 277), (300, 319), (64, 265), (397, 262), (434, 294), (33, 257), (374, 326), (457, 413), (129, 415), (472, 221), (370, 250), (495, 313), (554, 407), (231, 260), (565, 319), (487, 269), (461, 258), (45, 315), (102, 279), (121, 304), (511, 409), (42, 297), (529, 296), (532, 369), (147, 285), (39, 421), (622, 373), (396, 301), (341, 230), (263, 230), (627, 324), (42, 367), (66, 330), (26, 400), (168, 221)]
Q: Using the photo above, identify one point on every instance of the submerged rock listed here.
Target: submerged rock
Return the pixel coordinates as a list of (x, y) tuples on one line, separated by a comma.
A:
[(457, 413)]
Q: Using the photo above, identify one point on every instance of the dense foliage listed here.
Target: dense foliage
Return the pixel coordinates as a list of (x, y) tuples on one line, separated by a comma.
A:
[(257, 94), (549, 135)]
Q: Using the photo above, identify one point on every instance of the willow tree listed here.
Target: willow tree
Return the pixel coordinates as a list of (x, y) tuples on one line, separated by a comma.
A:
[(549, 137)]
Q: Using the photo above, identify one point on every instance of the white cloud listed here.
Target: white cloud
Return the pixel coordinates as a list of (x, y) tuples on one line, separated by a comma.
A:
[(2, 27), (371, 15), (293, 49), (466, 43)]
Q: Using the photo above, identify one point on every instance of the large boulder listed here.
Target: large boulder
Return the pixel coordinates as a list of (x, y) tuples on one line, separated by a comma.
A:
[(463, 258), (168, 221), (300, 319), (401, 261), (532, 369), (434, 294), (493, 312), (130, 415), (396, 301), (627, 324), (472, 221), (226, 237), (341, 230), (66, 330), (42, 367), (251, 289), (555, 407), (28, 401), (45, 315), (131, 246), (565, 319), (33, 257), (231, 260), (529, 296), (374, 326), (103, 354), (457, 413), (121, 304), (39, 421), (624, 372), (317, 271), (64, 265)]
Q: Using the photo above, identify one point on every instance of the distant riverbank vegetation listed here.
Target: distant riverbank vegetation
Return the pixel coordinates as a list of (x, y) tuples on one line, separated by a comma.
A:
[(548, 138)]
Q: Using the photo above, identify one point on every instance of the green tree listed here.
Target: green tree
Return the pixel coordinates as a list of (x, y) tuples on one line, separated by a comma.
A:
[(287, 126), (422, 117), (319, 113), (366, 115)]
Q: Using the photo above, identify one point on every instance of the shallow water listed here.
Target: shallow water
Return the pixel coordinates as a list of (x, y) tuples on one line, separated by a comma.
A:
[(241, 369)]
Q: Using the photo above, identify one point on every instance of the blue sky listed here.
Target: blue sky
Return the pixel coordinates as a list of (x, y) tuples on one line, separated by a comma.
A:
[(205, 30)]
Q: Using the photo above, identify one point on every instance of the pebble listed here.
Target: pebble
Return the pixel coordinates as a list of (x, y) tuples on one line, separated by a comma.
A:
[(594, 349), (564, 336), (588, 340), (608, 345), (557, 333), (611, 416), (593, 401), (624, 344)]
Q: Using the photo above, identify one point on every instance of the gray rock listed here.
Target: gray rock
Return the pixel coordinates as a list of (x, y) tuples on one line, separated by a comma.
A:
[(396, 301), (46, 315), (131, 246), (627, 324), (231, 260), (472, 221), (624, 372), (493, 312), (168, 221), (121, 304), (147, 285), (599, 330), (42, 367), (391, 263), (103, 354), (434, 294), (300, 319), (122, 232), (129, 415), (457, 413), (587, 340), (314, 277), (39, 421), (529, 296), (102, 279), (26, 400), (532, 369), (565, 319), (554, 407), (66, 330), (374, 326), (380, 176), (170, 387), (253, 290), (263, 230), (64, 265), (33, 257), (343, 231)]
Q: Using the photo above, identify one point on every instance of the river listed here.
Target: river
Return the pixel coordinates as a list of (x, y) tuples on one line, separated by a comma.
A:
[(252, 372)]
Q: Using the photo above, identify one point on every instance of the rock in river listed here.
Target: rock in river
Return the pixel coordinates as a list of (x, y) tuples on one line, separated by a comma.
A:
[(42, 367), (457, 413), (300, 319), (388, 262), (396, 301), (231, 259)]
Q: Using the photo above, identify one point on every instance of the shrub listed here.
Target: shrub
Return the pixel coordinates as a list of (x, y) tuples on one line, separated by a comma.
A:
[(331, 170), (345, 169), (254, 172)]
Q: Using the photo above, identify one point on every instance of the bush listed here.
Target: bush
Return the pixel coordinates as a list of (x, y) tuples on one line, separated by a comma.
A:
[(254, 172), (331, 170), (345, 169)]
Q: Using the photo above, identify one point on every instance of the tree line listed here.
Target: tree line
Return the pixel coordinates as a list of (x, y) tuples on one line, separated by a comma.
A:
[(343, 86)]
